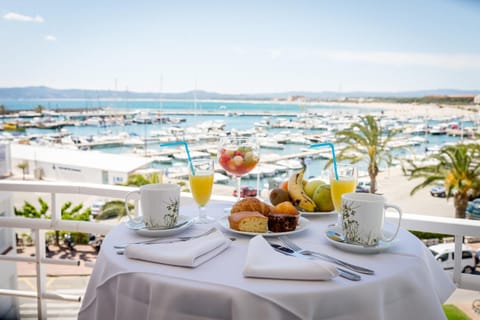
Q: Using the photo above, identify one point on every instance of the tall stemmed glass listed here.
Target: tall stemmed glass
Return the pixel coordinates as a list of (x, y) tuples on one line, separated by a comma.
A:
[(238, 156), (200, 176), (343, 179)]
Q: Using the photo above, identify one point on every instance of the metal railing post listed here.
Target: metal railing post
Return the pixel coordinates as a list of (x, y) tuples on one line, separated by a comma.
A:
[(457, 269), (41, 274)]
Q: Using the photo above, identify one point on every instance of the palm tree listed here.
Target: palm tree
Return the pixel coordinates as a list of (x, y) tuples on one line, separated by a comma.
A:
[(458, 167), (39, 108), (140, 180), (115, 208), (24, 167), (364, 141)]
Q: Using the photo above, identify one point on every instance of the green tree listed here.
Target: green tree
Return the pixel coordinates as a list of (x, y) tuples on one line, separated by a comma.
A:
[(3, 110), (30, 211), (458, 167), (68, 212), (115, 208), (363, 140), (140, 180), (71, 212), (24, 167)]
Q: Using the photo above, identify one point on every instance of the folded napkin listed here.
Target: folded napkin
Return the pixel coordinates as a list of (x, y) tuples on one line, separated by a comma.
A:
[(191, 253), (264, 262)]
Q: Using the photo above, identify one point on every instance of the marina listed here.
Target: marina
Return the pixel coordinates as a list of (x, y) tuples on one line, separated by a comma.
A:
[(284, 132)]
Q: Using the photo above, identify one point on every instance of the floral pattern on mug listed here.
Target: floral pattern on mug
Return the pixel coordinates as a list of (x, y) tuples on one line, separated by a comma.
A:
[(351, 227), (170, 218)]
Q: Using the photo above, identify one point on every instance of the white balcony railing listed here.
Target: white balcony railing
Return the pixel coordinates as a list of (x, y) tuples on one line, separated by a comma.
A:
[(459, 228)]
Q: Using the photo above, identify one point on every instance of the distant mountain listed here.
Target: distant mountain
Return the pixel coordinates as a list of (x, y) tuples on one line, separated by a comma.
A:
[(50, 93)]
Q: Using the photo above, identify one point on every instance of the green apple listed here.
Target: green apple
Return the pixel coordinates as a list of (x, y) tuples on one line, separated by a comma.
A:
[(323, 198), (311, 185)]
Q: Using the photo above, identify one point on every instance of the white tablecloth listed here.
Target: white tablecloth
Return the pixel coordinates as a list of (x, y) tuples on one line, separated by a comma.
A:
[(408, 284)]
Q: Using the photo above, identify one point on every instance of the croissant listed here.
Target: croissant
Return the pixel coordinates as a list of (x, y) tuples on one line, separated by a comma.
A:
[(252, 204)]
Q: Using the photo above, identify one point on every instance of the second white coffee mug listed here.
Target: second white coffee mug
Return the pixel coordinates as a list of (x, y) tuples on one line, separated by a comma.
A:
[(159, 204), (363, 216)]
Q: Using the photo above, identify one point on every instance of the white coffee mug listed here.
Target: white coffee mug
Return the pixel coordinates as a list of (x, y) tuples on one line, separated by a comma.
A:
[(363, 216), (159, 204)]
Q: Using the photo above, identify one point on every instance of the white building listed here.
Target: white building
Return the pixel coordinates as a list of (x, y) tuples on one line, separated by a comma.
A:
[(476, 99), (5, 165), (47, 163)]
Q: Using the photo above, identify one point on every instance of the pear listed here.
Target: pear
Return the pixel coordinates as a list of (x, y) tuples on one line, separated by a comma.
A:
[(323, 198), (311, 185)]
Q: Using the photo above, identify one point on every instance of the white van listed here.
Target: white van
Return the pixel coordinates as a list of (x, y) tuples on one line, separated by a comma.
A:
[(444, 254), (96, 208)]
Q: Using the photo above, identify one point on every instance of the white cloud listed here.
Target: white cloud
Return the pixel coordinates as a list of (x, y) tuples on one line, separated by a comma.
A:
[(12, 16), (50, 38)]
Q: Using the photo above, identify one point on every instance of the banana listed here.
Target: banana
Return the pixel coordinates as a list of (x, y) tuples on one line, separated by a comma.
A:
[(299, 198)]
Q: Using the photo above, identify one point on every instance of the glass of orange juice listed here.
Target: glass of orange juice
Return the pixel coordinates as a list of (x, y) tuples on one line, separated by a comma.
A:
[(200, 176), (344, 180)]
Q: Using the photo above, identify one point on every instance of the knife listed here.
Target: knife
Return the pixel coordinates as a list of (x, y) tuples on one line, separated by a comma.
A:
[(289, 252)]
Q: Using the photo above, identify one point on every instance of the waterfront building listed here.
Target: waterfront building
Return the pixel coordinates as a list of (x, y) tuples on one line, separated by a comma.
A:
[(76, 166)]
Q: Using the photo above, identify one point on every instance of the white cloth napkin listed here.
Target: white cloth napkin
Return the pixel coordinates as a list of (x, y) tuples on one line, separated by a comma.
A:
[(191, 253), (264, 262)]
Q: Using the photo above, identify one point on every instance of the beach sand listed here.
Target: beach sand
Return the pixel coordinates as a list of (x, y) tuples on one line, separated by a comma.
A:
[(411, 110)]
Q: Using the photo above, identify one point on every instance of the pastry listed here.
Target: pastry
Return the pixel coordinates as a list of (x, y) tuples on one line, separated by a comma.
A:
[(252, 204), (285, 207), (248, 221), (282, 222)]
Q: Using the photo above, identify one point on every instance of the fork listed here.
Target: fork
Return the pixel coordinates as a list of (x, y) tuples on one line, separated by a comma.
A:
[(163, 240), (289, 243)]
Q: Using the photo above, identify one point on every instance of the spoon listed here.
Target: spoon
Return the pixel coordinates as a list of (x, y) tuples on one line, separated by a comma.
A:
[(138, 224), (335, 236)]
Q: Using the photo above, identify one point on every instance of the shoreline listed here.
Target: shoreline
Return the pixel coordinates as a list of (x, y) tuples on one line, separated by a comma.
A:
[(417, 108)]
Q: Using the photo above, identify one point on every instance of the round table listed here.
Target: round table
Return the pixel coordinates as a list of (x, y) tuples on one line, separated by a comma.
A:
[(408, 283)]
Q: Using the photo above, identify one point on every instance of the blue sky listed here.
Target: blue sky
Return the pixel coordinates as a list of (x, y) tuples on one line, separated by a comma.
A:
[(241, 46)]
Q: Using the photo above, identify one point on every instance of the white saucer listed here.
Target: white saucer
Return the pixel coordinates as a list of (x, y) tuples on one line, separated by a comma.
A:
[(357, 248), (302, 225), (183, 222)]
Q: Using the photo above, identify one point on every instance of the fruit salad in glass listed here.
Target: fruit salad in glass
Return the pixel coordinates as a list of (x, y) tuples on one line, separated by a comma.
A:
[(238, 156)]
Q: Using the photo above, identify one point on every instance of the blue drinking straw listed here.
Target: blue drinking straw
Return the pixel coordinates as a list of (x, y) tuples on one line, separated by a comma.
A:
[(328, 144), (177, 143)]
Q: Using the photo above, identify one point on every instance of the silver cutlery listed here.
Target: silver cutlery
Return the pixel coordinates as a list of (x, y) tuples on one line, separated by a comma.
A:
[(163, 240), (289, 252), (290, 244)]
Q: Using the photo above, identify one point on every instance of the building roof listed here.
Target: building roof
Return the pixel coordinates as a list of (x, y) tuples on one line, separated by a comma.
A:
[(84, 159)]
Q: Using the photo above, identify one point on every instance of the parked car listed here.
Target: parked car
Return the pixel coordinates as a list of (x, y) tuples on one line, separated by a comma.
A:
[(473, 209), (444, 254), (438, 191), (245, 191), (363, 186), (477, 258), (96, 208)]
